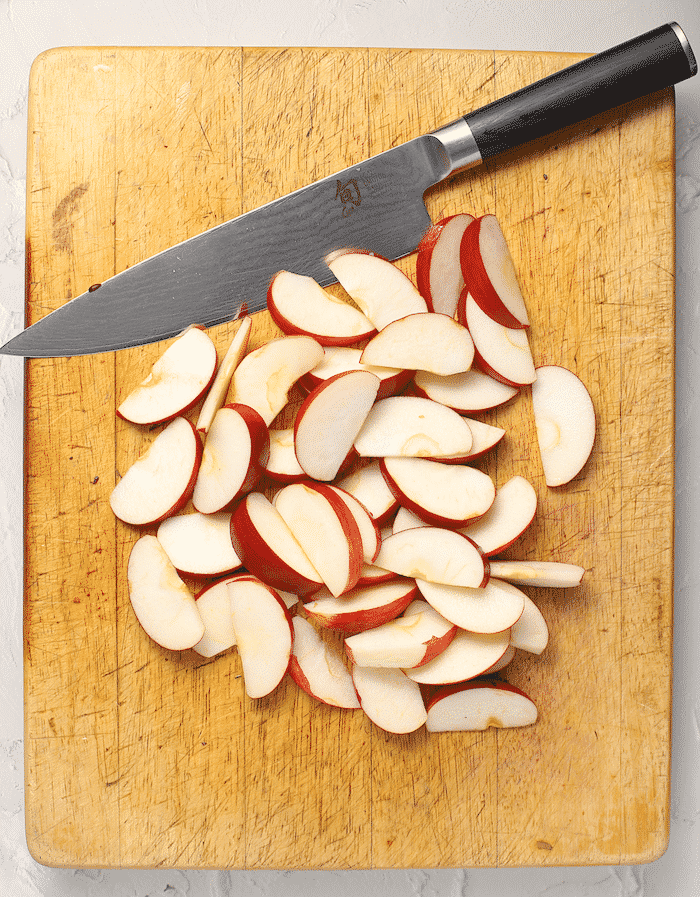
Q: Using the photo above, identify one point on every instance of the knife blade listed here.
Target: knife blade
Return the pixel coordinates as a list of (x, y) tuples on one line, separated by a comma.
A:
[(377, 205)]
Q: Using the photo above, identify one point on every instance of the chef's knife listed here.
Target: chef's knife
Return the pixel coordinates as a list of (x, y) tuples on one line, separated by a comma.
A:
[(377, 205)]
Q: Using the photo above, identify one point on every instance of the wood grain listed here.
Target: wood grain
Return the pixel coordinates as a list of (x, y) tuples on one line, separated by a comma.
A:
[(138, 757)]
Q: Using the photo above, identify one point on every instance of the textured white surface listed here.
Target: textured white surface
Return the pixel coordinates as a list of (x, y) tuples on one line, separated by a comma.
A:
[(27, 27)]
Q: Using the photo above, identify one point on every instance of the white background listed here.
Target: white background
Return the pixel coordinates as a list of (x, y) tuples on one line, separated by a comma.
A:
[(27, 27)]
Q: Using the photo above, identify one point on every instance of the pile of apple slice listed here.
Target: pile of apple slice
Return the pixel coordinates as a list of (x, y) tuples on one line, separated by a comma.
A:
[(357, 551)]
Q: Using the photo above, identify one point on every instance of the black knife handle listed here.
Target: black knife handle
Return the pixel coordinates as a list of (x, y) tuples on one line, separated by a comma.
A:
[(638, 67)]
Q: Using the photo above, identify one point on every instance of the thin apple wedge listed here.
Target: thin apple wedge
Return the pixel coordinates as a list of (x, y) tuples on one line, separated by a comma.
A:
[(265, 376), (265, 544), (379, 287), (264, 634), (409, 426), (475, 706), (371, 575), (467, 392), (319, 669), (447, 495), (425, 342), (565, 421), (369, 530), (163, 604), (547, 574), (531, 632), (468, 655), (340, 359), (494, 608), (282, 464), (389, 699), (439, 274), (326, 531), (436, 555), (502, 352), (161, 481), (502, 662), (368, 486), (216, 396), (363, 607), (487, 266), (199, 544), (299, 305), (214, 606), (176, 382), (512, 511), (409, 641), (329, 420), (236, 450)]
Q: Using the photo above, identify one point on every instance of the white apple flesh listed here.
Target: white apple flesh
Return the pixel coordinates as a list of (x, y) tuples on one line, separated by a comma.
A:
[(502, 352), (426, 342), (468, 655), (369, 531), (163, 604), (494, 608), (318, 668), (565, 421), (282, 464), (363, 607), (161, 481), (531, 632), (368, 486), (176, 382), (216, 395), (264, 634), (199, 544), (547, 574), (438, 267), (380, 289), (512, 511), (475, 706), (339, 359), (214, 606), (329, 420), (389, 699), (467, 392), (436, 555)]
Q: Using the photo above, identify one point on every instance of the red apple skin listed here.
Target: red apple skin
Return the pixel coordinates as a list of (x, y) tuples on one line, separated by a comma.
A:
[(386, 576), (353, 622), (187, 494), (479, 282), (259, 448), (424, 258), (416, 390), (259, 559), (429, 518), (375, 525), (350, 527), (291, 329), (388, 386), (443, 691), (479, 361)]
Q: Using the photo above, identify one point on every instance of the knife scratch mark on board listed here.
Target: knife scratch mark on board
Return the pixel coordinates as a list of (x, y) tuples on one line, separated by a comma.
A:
[(67, 207)]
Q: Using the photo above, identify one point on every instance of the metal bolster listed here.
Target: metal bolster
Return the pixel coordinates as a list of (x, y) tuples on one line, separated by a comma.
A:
[(687, 49), (459, 144)]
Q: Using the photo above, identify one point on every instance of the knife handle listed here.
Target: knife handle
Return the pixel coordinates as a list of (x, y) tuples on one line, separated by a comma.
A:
[(633, 69)]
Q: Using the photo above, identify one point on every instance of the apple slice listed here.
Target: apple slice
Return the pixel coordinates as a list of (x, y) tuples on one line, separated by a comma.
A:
[(548, 574), (329, 420), (216, 397), (369, 531), (264, 634), (264, 377), (436, 555), (265, 544), (161, 481), (379, 288), (176, 382), (467, 392), (512, 511), (408, 641), (409, 426), (371, 575), (440, 494), (531, 632), (439, 274), (163, 604), (565, 422), (326, 530), (368, 486), (214, 606), (389, 699), (485, 437), (474, 706), (406, 519), (300, 305), (488, 267), (502, 352), (494, 608), (363, 607), (426, 341), (319, 669), (236, 451), (199, 544), (282, 464), (468, 655), (339, 359), (502, 662)]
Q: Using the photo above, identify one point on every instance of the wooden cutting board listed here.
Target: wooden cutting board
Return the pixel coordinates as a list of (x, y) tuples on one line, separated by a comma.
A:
[(139, 757)]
